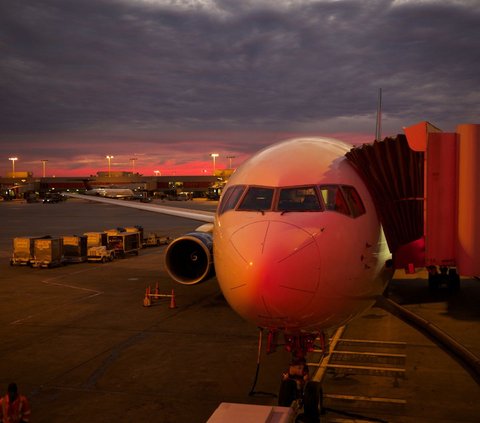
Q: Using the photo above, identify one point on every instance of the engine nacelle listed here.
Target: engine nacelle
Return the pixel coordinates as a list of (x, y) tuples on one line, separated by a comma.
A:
[(189, 259)]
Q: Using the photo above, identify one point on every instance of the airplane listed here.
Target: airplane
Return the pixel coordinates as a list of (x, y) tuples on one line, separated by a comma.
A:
[(296, 242), (111, 192)]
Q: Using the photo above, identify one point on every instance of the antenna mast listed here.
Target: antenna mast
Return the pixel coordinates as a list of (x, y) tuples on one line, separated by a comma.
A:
[(378, 128)]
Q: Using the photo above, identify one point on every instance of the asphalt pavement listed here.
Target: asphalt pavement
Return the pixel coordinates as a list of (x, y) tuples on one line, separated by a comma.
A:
[(79, 343)]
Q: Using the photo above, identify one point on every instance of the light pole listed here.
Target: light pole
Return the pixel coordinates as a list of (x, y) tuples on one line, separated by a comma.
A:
[(133, 159), (13, 165), (214, 156), (43, 166), (109, 158), (230, 161)]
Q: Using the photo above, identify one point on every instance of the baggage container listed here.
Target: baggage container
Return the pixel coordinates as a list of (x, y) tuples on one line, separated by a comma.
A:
[(23, 250), (124, 243), (75, 248), (48, 252), (96, 239), (138, 229)]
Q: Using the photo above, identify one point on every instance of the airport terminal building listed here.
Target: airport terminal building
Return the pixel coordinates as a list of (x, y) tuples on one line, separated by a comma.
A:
[(24, 184)]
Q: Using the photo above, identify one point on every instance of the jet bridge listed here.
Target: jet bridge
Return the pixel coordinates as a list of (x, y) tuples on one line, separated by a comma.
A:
[(393, 173), (426, 188)]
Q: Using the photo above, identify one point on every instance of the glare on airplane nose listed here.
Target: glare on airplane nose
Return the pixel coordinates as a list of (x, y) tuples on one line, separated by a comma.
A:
[(280, 268)]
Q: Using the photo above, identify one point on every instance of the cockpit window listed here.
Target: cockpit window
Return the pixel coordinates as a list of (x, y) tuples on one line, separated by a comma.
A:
[(298, 199), (230, 198), (257, 198), (354, 201), (342, 199), (333, 199)]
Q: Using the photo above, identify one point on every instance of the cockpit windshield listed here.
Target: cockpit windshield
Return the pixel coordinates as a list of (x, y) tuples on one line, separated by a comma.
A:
[(257, 199), (298, 199), (230, 198), (343, 199)]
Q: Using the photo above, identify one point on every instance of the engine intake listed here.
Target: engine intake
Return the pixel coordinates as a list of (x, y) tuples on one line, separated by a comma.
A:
[(189, 259)]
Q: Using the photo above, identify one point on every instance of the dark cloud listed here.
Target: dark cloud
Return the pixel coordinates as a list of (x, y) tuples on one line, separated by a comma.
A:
[(160, 70)]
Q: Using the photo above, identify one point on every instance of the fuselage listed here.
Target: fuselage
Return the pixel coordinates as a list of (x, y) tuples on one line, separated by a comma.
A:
[(298, 245), (111, 192)]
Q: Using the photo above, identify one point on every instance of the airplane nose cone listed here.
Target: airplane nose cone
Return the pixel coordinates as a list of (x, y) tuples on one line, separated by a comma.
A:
[(278, 269)]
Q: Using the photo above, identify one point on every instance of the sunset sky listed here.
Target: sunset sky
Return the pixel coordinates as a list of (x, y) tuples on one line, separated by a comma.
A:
[(168, 82)]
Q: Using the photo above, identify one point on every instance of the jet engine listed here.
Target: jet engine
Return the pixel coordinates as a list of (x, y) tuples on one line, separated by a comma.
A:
[(189, 259)]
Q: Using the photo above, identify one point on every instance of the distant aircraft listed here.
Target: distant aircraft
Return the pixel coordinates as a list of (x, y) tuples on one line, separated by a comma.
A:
[(108, 191), (111, 192)]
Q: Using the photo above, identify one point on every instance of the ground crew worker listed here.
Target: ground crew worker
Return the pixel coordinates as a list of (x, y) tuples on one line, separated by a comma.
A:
[(14, 408)]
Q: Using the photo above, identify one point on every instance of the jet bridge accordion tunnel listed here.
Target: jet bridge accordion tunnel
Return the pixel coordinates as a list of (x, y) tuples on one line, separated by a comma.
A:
[(426, 189)]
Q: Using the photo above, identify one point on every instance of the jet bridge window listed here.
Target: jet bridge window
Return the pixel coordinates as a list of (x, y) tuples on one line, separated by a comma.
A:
[(298, 199), (230, 198), (257, 199)]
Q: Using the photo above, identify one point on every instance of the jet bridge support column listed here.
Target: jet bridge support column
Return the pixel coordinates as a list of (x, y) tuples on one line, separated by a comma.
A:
[(468, 207), (452, 181)]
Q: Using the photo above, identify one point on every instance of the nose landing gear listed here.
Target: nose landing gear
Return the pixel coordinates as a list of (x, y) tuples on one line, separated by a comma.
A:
[(297, 391), (296, 388)]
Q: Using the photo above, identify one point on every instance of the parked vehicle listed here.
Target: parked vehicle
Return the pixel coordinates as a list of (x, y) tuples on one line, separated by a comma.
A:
[(100, 253), (53, 197), (153, 239), (97, 247)]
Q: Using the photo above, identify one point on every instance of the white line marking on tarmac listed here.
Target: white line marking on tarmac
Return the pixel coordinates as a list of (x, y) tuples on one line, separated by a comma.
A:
[(94, 292)]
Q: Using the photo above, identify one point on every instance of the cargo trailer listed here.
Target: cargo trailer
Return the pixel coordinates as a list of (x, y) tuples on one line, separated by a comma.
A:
[(23, 250), (75, 248), (124, 243), (48, 252)]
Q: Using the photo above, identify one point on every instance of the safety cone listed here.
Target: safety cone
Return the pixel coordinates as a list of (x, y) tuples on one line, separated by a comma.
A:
[(173, 304), (147, 302)]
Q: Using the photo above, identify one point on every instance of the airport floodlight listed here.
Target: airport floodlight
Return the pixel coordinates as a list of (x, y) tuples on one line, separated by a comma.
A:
[(214, 156), (13, 165), (133, 159), (230, 161), (44, 161), (109, 158)]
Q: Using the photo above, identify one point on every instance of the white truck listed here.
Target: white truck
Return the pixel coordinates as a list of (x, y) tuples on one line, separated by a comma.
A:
[(100, 253), (97, 247), (153, 239)]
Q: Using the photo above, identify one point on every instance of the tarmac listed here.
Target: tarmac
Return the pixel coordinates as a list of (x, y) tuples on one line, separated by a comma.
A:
[(80, 344)]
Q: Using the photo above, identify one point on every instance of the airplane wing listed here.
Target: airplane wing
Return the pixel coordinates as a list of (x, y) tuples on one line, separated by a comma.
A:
[(199, 215)]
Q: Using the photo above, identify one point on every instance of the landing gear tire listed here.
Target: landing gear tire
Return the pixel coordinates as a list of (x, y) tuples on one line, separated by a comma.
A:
[(433, 282), (312, 402), (453, 281)]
